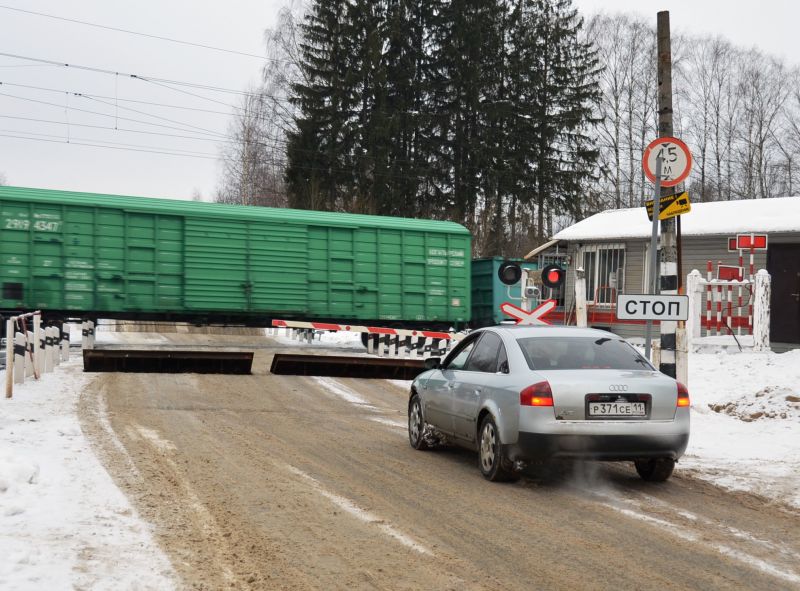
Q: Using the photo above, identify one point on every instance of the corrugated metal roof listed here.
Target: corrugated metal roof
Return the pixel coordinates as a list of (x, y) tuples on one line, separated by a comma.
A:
[(767, 216), (215, 210)]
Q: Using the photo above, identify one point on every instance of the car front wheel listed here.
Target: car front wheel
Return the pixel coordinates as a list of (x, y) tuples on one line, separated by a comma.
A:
[(493, 464), (655, 470)]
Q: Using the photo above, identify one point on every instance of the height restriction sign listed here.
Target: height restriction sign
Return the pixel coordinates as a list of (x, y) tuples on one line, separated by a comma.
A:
[(676, 161)]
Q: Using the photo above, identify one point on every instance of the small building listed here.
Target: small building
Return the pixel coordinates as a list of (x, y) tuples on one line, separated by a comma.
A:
[(613, 249)]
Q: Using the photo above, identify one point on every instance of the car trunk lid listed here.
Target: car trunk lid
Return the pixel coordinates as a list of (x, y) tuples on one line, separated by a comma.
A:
[(571, 389)]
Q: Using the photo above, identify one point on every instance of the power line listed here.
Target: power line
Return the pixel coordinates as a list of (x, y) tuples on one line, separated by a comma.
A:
[(148, 35), (129, 75), (107, 115), (105, 142), (122, 129), (114, 98), (65, 141)]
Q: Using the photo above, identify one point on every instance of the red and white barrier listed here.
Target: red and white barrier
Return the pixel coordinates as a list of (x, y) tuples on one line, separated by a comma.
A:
[(721, 317), (382, 341)]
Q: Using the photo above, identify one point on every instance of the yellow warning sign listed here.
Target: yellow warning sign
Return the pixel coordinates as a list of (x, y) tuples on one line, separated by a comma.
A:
[(670, 206)]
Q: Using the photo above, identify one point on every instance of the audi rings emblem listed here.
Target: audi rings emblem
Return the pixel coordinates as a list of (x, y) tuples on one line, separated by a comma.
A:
[(618, 388)]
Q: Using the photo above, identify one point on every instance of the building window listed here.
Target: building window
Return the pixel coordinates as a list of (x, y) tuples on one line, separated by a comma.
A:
[(604, 266)]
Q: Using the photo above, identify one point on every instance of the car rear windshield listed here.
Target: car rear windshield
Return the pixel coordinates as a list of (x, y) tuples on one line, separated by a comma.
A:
[(581, 353)]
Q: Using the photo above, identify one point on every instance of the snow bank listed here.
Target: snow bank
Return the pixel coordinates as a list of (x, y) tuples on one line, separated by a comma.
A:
[(746, 422), (63, 522)]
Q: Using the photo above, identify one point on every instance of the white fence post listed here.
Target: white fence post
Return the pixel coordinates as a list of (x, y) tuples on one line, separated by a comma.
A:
[(761, 311), (19, 357), (84, 335), (37, 337), (681, 356), (9, 357), (48, 349), (694, 289), (56, 346), (29, 352), (65, 343), (580, 298), (91, 334)]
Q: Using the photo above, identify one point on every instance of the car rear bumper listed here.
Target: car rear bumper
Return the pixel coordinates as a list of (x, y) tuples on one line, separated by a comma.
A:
[(543, 446)]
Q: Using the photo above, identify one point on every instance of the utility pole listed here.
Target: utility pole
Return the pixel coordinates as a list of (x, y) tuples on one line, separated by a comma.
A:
[(669, 254)]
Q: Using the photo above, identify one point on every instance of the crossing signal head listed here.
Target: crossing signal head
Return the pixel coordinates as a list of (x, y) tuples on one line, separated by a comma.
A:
[(553, 276), (509, 273)]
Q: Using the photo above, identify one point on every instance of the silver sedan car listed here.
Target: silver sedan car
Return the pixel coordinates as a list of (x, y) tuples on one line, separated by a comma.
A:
[(518, 395)]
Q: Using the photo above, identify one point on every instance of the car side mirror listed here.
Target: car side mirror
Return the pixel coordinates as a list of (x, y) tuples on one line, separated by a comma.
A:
[(433, 363)]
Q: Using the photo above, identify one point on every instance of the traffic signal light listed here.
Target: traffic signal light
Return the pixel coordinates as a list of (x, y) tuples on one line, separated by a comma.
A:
[(553, 276), (509, 273)]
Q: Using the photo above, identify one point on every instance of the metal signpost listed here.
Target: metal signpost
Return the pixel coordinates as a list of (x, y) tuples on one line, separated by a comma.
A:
[(648, 333), (667, 162)]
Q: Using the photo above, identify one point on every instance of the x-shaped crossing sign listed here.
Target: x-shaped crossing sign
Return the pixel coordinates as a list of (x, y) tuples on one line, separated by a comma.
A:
[(524, 317)]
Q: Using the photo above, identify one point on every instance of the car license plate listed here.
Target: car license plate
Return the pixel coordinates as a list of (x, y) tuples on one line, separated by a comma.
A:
[(616, 409)]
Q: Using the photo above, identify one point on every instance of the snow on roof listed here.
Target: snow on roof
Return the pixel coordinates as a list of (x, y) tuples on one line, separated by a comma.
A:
[(779, 214)]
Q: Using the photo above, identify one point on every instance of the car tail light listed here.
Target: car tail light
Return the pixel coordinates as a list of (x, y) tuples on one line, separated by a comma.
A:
[(683, 395), (538, 394)]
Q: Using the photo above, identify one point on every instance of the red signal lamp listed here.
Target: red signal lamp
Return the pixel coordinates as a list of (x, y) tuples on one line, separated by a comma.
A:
[(553, 276)]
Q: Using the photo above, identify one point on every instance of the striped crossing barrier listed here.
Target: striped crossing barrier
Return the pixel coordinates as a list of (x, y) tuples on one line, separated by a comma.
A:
[(381, 341)]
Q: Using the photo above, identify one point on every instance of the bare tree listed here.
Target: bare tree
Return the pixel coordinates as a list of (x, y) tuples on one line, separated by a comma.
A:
[(736, 109), (254, 162), (626, 48)]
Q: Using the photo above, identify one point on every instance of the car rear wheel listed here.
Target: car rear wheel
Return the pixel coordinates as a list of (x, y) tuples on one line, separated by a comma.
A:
[(492, 462), (416, 425), (655, 470)]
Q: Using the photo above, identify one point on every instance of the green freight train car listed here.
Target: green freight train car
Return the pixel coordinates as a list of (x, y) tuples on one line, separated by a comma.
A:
[(108, 256)]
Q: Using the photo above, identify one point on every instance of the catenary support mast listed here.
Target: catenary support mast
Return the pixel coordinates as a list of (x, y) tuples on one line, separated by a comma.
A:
[(669, 254)]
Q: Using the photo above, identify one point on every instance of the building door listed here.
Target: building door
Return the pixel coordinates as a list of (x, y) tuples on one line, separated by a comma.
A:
[(783, 263)]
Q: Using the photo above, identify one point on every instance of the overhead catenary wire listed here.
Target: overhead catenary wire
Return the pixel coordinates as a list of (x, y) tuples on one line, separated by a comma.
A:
[(71, 140), (122, 129), (108, 147), (98, 113), (141, 34), (116, 98), (143, 77)]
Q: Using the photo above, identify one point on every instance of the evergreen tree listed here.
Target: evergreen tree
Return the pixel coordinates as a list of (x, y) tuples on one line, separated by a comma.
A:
[(318, 151), (559, 89), (471, 110)]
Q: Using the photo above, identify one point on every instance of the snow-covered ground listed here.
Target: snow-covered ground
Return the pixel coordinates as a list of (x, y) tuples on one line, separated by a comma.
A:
[(746, 422), (64, 524)]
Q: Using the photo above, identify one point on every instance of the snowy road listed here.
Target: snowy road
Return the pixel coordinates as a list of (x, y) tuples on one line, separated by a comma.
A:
[(269, 481)]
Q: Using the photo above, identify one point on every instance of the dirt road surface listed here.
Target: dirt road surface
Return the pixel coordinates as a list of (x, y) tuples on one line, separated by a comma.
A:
[(284, 482)]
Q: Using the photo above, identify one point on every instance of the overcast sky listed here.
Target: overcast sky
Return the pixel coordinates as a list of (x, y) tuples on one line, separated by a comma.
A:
[(233, 24)]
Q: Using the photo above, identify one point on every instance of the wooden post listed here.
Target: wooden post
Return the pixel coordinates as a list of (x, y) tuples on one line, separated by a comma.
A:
[(580, 298), (761, 311), (9, 358)]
